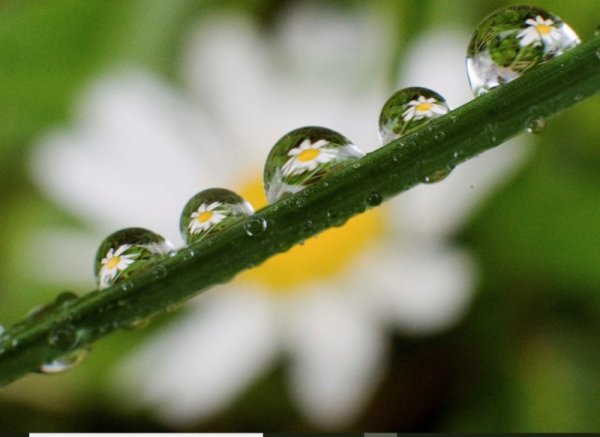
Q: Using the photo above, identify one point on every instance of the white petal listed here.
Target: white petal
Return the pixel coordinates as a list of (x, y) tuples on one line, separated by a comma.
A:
[(421, 289), (136, 152), (437, 61), (337, 356), (75, 263), (199, 364)]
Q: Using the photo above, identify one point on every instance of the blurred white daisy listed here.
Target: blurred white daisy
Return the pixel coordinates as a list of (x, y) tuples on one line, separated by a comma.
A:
[(326, 304)]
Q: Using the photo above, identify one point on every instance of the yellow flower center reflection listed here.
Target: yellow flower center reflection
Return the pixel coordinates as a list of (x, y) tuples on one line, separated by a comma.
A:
[(113, 262), (423, 107), (205, 216), (543, 29), (308, 155), (319, 257)]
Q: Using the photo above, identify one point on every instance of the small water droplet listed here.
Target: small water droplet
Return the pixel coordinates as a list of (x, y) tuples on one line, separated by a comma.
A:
[(172, 307), (65, 299), (438, 176), (2, 330), (255, 226), (597, 33), (440, 135), (65, 362), (63, 337), (336, 218), (598, 53), (159, 271), (512, 40), (304, 156), (211, 211), (374, 199), (137, 323), (172, 253), (127, 285), (125, 253), (535, 125), (308, 226), (409, 110)]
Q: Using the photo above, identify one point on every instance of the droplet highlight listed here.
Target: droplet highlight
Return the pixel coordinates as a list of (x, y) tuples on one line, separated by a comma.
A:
[(65, 362), (535, 125), (211, 211), (126, 253), (409, 110), (512, 40), (304, 156), (438, 176)]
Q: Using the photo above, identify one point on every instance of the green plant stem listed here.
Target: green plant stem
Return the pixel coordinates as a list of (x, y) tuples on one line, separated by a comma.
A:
[(460, 135)]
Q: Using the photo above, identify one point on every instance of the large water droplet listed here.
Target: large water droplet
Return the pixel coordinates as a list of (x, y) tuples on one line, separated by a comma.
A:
[(512, 40), (125, 253), (65, 362), (63, 337), (210, 211), (535, 125), (408, 110), (302, 157)]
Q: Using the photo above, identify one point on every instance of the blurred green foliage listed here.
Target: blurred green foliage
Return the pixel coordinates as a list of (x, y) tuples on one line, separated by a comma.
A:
[(525, 359)]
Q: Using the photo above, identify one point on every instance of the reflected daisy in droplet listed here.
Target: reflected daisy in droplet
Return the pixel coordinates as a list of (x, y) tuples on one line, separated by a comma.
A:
[(539, 31), (423, 107), (393, 266), (307, 157), (115, 262), (205, 217)]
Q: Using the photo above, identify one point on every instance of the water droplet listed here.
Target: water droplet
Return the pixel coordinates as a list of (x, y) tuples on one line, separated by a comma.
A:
[(308, 226), (65, 299), (336, 218), (409, 110), (374, 199), (438, 175), (125, 253), (172, 253), (211, 211), (535, 125), (63, 337), (302, 157), (439, 136), (2, 329), (513, 40), (255, 226), (597, 33), (159, 271), (598, 53), (65, 362), (137, 323)]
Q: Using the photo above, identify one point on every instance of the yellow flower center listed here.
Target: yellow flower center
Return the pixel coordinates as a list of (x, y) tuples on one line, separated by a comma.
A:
[(308, 155), (543, 29), (205, 216), (318, 258), (113, 262), (423, 107)]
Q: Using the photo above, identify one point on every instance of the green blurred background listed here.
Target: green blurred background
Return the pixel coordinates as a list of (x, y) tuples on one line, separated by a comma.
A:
[(524, 359)]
